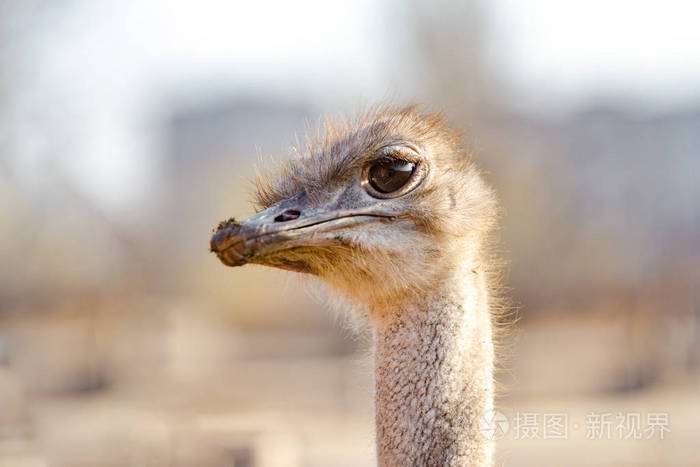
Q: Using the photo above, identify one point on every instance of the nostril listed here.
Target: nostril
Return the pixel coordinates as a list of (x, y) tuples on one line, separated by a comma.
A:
[(288, 215)]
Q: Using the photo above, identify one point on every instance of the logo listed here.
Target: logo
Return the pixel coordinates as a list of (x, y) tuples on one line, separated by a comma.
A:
[(493, 425)]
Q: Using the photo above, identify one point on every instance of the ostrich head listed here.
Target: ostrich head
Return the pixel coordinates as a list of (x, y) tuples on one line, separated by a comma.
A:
[(378, 208)]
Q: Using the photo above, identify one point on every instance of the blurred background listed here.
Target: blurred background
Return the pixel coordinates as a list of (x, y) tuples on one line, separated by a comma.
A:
[(128, 129)]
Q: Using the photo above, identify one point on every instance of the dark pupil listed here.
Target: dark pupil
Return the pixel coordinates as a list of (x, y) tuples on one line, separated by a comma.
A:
[(389, 176)]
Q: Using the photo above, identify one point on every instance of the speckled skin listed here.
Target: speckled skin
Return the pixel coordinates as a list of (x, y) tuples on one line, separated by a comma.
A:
[(434, 367)]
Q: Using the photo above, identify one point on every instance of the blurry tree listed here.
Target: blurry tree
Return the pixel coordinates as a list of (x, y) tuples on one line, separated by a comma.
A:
[(56, 238), (439, 48)]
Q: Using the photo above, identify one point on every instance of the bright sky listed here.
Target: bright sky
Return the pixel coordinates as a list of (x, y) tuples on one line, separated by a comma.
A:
[(573, 49), (101, 62), (545, 47)]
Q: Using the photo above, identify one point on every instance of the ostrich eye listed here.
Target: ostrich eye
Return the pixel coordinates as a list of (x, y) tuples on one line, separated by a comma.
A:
[(388, 175)]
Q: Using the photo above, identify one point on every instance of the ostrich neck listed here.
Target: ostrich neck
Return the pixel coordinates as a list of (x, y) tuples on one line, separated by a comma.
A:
[(434, 376)]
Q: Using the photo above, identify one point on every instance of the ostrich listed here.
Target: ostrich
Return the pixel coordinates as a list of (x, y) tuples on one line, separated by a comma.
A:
[(390, 213)]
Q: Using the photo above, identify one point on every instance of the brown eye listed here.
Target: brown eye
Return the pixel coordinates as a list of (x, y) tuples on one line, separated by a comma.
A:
[(389, 175)]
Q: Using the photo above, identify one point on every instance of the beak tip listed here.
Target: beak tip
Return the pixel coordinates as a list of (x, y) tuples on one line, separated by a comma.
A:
[(226, 234)]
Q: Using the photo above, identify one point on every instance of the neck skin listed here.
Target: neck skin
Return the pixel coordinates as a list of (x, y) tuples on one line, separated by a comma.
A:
[(434, 362)]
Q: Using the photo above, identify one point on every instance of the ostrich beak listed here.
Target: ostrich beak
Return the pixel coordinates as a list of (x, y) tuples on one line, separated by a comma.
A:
[(289, 224)]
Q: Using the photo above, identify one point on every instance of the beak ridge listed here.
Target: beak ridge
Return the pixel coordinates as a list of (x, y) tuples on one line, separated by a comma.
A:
[(288, 224)]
